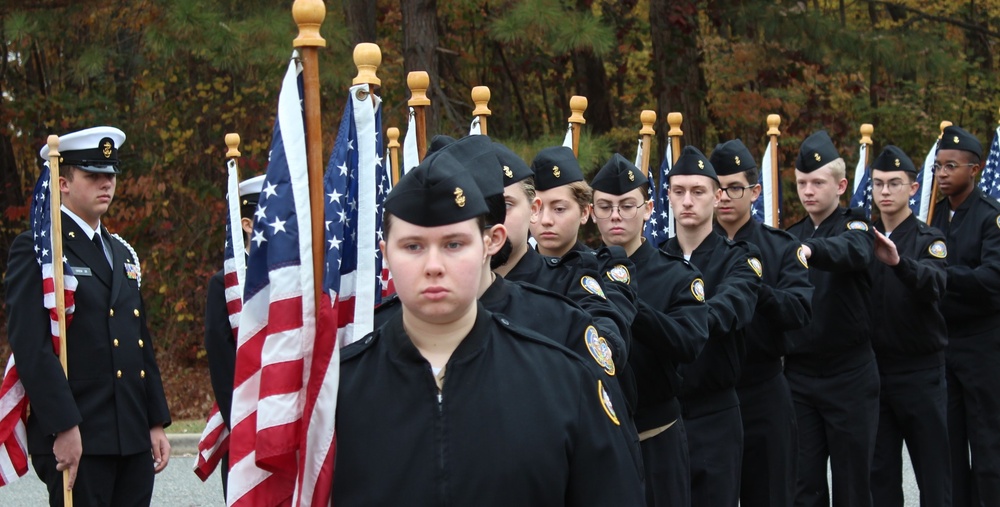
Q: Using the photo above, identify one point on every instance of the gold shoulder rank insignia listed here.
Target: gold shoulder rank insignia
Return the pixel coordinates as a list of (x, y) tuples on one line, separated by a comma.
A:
[(599, 350), (619, 273), (591, 285), (938, 249), (857, 225), (756, 266), (801, 255), (606, 403), (698, 289)]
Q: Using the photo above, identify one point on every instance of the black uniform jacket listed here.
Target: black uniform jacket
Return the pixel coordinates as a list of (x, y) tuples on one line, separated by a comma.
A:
[(731, 285), (519, 421), (839, 336), (908, 330), (784, 300), (972, 303), (220, 345), (114, 392), (671, 328)]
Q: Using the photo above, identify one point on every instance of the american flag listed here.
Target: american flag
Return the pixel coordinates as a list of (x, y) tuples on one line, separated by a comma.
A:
[(568, 140), (277, 330), (862, 197), (921, 203), (762, 209), (13, 400), (214, 441), (989, 182), (660, 226)]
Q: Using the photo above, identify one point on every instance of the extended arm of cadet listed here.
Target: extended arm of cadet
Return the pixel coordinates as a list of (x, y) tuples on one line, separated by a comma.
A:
[(982, 283), (925, 276), (788, 304), (850, 250), (732, 305)]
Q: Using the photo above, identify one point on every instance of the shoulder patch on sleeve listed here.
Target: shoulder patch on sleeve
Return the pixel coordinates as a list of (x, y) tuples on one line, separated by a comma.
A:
[(606, 403), (800, 254), (698, 289), (756, 266), (998, 220), (599, 350), (591, 285), (619, 273), (860, 225), (938, 249)]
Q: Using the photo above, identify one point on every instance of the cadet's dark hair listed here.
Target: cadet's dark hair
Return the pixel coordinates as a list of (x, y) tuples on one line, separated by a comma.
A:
[(753, 176)]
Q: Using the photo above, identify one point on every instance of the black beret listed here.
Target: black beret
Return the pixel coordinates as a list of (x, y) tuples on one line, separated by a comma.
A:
[(439, 191), (816, 151), (555, 167), (514, 169), (732, 157), (693, 161), (477, 155), (893, 159), (618, 177), (438, 143), (956, 138), (93, 150)]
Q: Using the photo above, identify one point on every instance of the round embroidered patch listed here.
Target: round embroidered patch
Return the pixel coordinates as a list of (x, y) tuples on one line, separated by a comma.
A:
[(756, 266), (698, 289), (857, 225), (938, 249), (619, 273), (591, 285), (998, 220), (606, 403), (801, 255), (599, 350)]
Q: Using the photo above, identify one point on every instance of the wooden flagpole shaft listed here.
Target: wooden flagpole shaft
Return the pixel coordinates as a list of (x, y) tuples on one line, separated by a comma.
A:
[(481, 97), (675, 133), (934, 188), (773, 121), (418, 81), (647, 118), (309, 16), (55, 212), (393, 134), (578, 105)]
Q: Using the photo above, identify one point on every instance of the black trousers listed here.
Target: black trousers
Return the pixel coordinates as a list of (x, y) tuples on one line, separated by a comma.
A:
[(912, 408), (101, 481), (770, 444), (667, 467), (715, 443), (837, 418), (973, 377)]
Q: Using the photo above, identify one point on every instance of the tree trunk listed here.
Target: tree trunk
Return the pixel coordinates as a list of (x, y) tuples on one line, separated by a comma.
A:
[(678, 80), (360, 15), (420, 42), (592, 82)]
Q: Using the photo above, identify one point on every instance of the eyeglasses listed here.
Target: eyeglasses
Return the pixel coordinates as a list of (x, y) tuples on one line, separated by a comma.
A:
[(736, 192), (893, 185), (949, 167), (626, 211)]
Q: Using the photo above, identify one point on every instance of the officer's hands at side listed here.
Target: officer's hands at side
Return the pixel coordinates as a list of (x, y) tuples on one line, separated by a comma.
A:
[(161, 448), (68, 447), (885, 249)]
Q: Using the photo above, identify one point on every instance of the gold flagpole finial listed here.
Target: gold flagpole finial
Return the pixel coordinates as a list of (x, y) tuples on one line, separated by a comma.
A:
[(418, 81), (866, 133), (309, 15), (675, 120), (647, 118), (481, 97), (945, 124), (393, 134), (773, 122), (367, 58), (578, 105), (233, 143)]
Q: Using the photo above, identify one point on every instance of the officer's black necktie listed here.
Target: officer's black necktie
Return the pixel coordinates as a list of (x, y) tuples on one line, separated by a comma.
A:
[(100, 245)]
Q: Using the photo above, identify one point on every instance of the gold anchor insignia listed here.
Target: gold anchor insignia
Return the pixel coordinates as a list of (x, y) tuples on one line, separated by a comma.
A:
[(701, 165), (817, 157), (107, 149), (955, 139), (459, 197), (897, 162), (72, 234), (737, 160), (507, 172), (555, 171), (631, 177)]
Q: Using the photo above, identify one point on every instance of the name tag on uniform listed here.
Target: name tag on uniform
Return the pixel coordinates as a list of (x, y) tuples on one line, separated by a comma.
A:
[(81, 271), (131, 271)]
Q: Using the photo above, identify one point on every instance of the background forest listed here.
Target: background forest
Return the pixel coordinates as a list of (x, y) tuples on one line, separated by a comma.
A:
[(176, 75)]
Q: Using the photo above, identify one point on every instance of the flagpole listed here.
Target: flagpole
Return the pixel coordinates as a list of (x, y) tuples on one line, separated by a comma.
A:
[(675, 133), (233, 145), (309, 16), (577, 104), (393, 134), (647, 118), (773, 121), (57, 274), (481, 97), (934, 188), (418, 81)]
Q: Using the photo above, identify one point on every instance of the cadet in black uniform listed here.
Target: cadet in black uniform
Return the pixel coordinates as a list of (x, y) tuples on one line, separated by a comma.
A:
[(220, 341), (784, 302), (564, 201), (970, 222), (732, 273), (830, 367), (450, 404), (909, 336), (102, 422), (671, 328)]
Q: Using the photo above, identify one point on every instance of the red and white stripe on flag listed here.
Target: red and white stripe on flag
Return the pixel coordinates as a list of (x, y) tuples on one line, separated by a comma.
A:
[(13, 413), (213, 444)]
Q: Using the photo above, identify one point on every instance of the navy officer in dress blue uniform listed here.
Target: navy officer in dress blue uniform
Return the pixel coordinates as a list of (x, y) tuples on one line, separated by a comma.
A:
[(784, 302), (830, 366), (970, 221), (449, 404), (909, 336), (105, 422)]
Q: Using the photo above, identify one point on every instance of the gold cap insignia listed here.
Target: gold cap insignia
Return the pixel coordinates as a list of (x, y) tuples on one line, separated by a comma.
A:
[(555, 171), (107, 149), (897, 162), (737, 160), (701, 165), (507, 172), (631, 177), (459, 197), (817, 157), (245, 202), (955, 139)]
